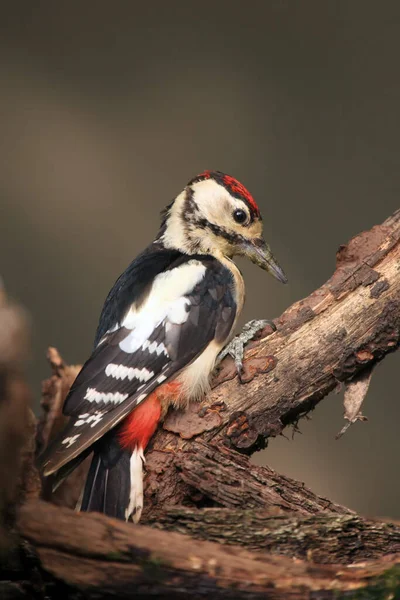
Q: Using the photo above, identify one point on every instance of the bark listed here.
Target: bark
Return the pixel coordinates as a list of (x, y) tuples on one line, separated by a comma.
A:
[(321, 538), (229, 480), (92, 556)]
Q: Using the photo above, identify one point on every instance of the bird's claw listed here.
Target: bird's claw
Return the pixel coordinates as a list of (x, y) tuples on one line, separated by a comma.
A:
[(235, 348)]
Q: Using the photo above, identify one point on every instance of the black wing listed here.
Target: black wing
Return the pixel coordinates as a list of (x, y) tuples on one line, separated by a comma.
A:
[(114, 379)]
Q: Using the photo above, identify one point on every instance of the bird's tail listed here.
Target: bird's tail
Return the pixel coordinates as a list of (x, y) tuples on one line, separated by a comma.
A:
[(114, 485)]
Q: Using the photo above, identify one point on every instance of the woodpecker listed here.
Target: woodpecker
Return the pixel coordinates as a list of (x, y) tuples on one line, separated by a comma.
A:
[(162, 327)]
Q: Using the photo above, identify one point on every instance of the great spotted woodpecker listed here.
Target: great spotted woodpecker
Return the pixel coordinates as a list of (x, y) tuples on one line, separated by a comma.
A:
[(162, 327)]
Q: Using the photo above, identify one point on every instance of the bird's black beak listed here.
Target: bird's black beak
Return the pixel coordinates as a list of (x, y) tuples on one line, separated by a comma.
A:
[(260, 254)]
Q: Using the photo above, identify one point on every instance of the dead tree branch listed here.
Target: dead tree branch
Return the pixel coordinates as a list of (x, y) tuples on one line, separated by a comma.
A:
[(103, 558), (325, 538), (229, 480)]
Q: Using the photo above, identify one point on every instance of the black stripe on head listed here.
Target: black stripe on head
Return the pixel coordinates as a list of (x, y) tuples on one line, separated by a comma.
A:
[(190, 207), (230, 236), (193, 218), (234, 187)]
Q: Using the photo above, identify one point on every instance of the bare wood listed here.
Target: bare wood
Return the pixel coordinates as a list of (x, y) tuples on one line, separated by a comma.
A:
[(320, 538), (105, 558)]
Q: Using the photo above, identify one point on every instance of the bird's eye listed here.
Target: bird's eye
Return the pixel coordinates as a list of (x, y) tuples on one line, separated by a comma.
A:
[(240, 215)]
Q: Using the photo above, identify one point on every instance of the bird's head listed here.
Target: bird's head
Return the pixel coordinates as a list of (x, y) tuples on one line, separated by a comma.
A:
[(215, 214)]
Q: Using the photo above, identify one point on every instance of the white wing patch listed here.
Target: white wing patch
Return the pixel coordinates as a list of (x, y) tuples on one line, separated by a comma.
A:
[(87, 419), (154, 347), (68, 441), (177, 312), (123, 372), (166, 301), (92, 395)]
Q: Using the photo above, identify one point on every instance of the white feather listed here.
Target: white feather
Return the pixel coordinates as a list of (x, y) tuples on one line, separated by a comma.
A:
[(135, 505), (155, 347), (123, 372), (87, 418), (68, 441), (92, 395)]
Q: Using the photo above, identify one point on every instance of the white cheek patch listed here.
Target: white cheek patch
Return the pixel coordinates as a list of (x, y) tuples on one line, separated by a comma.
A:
[(122, 372), (217, 205), (92, 395)]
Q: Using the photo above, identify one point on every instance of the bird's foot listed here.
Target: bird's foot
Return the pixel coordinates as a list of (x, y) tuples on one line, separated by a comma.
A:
[(235, 348)]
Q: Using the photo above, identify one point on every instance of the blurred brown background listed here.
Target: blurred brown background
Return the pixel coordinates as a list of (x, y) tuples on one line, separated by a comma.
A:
[(107, 109)]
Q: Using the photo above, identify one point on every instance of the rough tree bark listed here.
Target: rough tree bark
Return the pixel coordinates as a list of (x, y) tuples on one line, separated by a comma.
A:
[(321, 538), (199, 459)]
